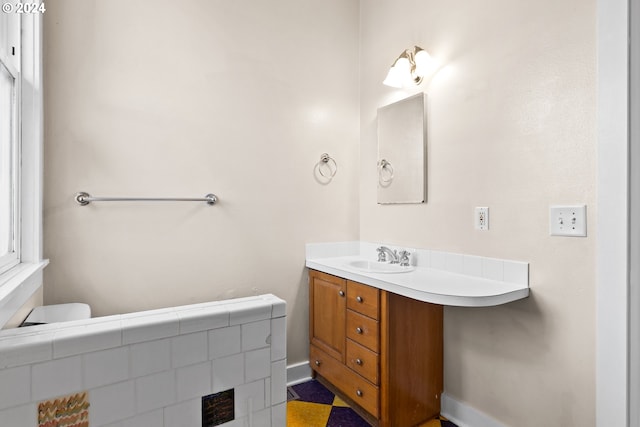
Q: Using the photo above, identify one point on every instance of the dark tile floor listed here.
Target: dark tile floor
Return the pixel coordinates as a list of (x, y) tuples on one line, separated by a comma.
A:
[(310, 404)]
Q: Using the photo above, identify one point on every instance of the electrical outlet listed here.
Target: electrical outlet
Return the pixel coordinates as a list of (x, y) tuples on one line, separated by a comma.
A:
[(568, 221), (482, 218)]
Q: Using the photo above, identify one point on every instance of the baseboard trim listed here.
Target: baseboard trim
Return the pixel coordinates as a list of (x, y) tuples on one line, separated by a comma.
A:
[(464, 415), (298, 373), (458, 412)]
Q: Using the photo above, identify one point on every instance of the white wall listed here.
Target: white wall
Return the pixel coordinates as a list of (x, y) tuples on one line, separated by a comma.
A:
[(511, 125), (152, 368), (239, 98)]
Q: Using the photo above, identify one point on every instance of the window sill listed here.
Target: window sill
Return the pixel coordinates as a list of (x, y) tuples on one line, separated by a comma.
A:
[(17, 285)]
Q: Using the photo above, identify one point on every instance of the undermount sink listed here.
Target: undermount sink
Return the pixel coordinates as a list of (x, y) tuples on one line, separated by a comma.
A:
[(379, 267)]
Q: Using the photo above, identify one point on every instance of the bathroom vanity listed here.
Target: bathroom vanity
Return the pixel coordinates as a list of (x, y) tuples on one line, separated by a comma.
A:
[(376, 330), (382, 351)]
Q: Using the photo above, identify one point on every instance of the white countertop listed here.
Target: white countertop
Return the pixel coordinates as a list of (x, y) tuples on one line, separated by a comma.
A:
[(427, 284)]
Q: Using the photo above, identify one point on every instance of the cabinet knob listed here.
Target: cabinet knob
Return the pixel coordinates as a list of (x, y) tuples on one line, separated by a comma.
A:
[(359, 393), (359, 362), (317, 363), (358, 330), (341, 293), (359, 299)]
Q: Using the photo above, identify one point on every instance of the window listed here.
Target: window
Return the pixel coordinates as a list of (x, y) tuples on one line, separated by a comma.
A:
[(9, 168), (21, 261)]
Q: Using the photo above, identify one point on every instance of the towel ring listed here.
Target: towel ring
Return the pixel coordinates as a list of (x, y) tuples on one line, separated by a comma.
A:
[(325, 160), (385, 165)]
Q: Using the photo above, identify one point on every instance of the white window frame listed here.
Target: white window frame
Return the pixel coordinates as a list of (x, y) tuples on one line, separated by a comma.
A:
[(23, 279), (12, 259)]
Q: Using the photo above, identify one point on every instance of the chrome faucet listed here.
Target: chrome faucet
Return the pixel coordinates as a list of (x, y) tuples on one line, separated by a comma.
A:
[(383, 251), (404, 258)]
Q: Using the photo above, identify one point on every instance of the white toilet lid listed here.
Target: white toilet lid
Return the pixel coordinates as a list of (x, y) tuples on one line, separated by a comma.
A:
[(59, 313)]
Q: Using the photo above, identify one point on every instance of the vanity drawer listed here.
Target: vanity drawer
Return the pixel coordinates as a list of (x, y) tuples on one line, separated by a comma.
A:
[(363, 299), (351, 384), (363, 361), (325, 365), (363, 330)]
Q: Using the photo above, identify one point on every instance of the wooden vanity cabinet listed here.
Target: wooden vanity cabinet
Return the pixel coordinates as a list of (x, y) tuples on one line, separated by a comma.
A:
[(378, 350), (327, 314)]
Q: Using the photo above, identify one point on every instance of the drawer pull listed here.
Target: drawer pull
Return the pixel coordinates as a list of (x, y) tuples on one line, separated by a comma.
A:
[(359, 362), (341, 293), (359, 330), (317, 363), (359, 299), (359, 393)]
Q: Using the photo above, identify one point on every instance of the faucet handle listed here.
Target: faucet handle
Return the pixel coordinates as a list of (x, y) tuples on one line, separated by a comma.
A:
[(382, 256), (404, 258)]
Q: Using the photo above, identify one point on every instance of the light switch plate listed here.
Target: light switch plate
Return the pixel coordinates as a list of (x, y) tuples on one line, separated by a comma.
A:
[(568, 221)]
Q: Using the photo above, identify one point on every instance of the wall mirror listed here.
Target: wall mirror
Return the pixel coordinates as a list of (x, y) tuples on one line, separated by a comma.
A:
[(402, 151)]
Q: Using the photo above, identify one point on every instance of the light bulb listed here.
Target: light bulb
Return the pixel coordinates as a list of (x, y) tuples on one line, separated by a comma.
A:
[(424, 63), (403, 65), (394, 78)]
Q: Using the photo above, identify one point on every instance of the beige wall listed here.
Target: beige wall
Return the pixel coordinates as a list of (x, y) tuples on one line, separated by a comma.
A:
[(240, 98), (511, 126), (157, 98)]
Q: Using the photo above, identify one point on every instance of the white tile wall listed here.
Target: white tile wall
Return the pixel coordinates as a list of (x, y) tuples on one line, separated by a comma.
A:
[(111, 403), (257, 364), (224, 342), (150, 419), (472, 265), (57, 377), (516, 272), (493, 269), (256, 335), (246, 312), (249, 391), (438, 260), (25, 349), (279, 415), (147, 328), (155, 391), (278, 338), (228, 372), (184, 414), (454, 263), (22, 416), (278, 382), (105, 367), (262, 418), (152, 368), (20, 391), (189, 349), (278, 309), (200, 319), (193, 381), (83, 339), (150, 357)]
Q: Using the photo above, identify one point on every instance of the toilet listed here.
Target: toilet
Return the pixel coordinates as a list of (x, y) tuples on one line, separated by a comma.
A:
[(57, 313)]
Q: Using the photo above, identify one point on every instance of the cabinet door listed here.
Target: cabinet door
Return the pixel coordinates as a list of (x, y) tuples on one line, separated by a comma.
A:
[(327, 311)]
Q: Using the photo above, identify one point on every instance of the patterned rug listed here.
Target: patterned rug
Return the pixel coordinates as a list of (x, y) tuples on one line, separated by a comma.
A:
[(310, 404)]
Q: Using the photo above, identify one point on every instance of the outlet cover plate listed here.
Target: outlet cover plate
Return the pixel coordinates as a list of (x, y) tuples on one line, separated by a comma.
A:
[(568, 221), (481, 218)]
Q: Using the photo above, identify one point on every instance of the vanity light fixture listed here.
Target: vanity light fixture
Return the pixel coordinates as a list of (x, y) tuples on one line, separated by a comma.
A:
[(410, 67)]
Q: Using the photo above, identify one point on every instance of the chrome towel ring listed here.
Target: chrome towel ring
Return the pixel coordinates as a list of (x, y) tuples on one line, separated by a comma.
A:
[(327, 166), (385, 172)]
